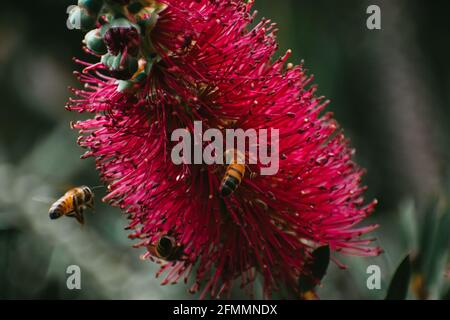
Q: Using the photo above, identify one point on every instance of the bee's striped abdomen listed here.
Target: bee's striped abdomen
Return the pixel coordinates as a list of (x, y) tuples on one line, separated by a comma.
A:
[(61, 207), (166, 249), (233, 176)]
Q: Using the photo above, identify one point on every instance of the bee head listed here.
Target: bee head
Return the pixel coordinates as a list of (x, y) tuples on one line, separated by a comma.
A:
[(87, 193)]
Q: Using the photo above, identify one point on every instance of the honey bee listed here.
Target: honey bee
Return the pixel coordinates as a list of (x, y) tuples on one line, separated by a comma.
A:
[(72, 204), (166, 248), (234, 173)]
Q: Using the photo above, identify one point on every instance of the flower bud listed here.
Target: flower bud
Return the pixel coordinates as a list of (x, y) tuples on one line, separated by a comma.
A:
[(121, 67), (94, 42)]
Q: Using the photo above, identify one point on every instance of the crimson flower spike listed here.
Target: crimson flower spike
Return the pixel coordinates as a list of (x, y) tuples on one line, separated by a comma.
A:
[(166, 64)]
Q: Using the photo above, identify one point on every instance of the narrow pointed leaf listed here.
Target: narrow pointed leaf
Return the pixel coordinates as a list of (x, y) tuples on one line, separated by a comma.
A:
[(398, 289), (427, 233), (439, 251)]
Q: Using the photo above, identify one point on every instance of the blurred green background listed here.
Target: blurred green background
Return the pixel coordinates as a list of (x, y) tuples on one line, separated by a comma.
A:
[(390, 90)]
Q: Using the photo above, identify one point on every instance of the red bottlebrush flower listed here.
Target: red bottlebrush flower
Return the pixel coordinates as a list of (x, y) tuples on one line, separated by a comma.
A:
[(205, 64)]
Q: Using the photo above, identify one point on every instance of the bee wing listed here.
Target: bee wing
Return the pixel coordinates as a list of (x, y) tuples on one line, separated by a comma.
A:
[(42, 199), (65, 187)]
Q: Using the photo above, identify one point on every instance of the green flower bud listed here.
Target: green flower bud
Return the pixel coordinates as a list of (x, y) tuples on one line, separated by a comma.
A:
[(92, 6), (119, 67), (94, 42)]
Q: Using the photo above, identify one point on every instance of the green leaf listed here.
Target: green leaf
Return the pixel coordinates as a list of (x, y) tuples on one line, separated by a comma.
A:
[(429, 224), (438, 256), (433, 252), (398, 289), (409, 227), (319, 265)]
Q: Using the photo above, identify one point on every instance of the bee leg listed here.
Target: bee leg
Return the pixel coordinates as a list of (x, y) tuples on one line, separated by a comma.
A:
[(80, 216), (71, 214), (252, 174), (78, 210), (90, 205)]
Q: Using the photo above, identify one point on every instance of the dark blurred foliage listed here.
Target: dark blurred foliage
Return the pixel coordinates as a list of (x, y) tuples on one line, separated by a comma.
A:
[(390, 91)]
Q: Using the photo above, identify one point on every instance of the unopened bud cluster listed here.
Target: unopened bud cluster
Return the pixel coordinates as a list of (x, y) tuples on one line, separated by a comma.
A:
[(118, 32)]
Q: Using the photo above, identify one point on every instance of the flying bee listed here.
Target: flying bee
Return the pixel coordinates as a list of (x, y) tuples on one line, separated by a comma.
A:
[(234, 173), (73, 204), (166, 248)]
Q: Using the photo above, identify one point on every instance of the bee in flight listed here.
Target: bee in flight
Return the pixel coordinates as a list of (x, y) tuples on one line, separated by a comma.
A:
[(166, 248), (234, 173), (73, 204)]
